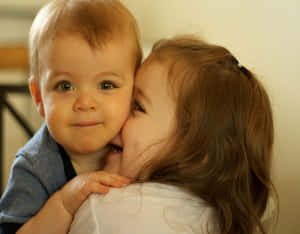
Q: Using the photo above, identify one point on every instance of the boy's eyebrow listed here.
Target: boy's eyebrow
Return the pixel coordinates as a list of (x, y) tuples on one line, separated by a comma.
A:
[(62, 73), (58, 73), (140, 93), (109, 74)]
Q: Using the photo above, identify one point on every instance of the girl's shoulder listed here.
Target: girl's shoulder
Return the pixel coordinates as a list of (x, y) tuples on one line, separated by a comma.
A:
[(166, 208), (154, 192)]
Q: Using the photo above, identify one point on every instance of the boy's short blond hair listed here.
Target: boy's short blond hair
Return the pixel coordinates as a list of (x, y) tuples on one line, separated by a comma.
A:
[(97, 21)]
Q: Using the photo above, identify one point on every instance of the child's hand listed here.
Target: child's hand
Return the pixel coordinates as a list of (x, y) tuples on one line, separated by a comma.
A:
[(75, 192)]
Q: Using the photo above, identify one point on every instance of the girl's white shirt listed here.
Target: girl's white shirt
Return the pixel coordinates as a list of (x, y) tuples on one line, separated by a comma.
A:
[(146, 209)]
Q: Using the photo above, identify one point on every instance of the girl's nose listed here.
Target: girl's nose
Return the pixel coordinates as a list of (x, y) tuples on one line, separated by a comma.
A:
[(85, 102)]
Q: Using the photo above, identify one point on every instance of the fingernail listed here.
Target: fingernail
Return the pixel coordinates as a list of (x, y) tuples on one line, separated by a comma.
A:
[(106, 190)]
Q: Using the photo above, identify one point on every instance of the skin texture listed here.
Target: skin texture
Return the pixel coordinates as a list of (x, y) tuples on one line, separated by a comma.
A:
[(84, 94), (150, 123)]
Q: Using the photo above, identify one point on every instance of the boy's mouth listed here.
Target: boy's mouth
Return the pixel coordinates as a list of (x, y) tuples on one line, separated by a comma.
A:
[(86, 124)]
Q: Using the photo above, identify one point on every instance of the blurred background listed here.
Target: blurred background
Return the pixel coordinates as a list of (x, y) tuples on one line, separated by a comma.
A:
[(263, 34)]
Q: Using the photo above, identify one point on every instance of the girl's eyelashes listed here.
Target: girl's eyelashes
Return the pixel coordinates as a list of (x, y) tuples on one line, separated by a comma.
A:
[(106, 84), (64, 86), (138, 107)]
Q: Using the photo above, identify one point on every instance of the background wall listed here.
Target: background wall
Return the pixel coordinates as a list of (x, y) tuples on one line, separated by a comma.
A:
[(15, 21), (265, 36)]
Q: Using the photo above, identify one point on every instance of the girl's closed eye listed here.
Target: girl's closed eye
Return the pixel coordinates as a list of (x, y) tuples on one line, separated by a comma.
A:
[(137, 107), (64, 86), (106, 85)]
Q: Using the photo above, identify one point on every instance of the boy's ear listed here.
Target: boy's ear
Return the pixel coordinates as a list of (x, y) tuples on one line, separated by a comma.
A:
[(37, 96)]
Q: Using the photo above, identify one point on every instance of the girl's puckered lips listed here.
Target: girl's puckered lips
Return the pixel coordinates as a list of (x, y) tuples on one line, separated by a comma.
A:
[(116, 144), (115, 148)]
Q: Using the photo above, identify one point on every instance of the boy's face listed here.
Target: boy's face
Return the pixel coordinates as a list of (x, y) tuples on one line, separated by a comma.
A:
[(84, 94)]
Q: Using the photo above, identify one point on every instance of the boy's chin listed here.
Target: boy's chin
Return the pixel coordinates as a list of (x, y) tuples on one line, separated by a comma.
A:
[(85, 150)]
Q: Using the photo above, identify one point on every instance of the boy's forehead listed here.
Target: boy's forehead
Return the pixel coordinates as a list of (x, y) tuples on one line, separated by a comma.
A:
[(96, 21), (74, 48)]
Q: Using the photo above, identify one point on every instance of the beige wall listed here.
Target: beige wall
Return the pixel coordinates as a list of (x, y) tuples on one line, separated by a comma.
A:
[(265, 36), (15, 31)]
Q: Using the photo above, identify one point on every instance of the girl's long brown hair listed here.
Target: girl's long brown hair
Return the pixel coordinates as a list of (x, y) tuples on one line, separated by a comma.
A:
[(221, 149)]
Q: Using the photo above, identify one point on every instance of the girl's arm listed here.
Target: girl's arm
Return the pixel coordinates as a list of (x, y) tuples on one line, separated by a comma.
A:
[(57, 213)]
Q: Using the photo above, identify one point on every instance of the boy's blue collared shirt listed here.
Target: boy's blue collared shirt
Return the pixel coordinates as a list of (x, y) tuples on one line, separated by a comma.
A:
[(37, 172)]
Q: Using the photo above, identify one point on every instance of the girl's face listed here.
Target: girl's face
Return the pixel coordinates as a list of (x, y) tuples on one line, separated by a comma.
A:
[(152, 120)]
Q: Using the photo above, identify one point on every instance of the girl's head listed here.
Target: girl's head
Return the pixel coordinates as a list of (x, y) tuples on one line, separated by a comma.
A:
[(204, 122)]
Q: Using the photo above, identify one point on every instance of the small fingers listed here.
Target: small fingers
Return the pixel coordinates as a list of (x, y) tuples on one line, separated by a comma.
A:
[(98, 188), (110, 179)]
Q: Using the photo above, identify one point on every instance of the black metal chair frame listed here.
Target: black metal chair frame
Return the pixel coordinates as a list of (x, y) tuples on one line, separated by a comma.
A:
[(5, 104)]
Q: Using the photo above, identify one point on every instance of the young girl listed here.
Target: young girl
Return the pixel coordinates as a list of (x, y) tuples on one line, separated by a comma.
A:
[(201, 132)]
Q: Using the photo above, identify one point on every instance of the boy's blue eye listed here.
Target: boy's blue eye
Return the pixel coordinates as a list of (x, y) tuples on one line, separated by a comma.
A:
[(107, 85), (64, 86)]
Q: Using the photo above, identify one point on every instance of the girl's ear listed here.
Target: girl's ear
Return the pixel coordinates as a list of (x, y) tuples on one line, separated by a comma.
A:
[(37, 97)]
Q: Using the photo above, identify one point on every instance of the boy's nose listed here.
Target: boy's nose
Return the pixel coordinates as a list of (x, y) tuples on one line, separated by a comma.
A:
[(85, 102)]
